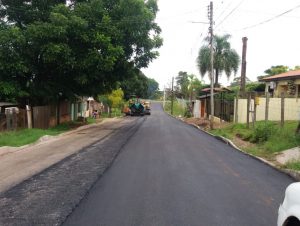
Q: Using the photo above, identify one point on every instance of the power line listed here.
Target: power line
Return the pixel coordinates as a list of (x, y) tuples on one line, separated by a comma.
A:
[(225, 8), (270, 19), (231, 12), (267, 13)]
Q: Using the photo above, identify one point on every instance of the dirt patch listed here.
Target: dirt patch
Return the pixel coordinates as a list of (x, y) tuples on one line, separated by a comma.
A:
[(241, 143), (204, 123)]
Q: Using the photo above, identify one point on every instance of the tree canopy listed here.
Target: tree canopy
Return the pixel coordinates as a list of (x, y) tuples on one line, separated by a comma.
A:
[(153, 87), (237, 81), (182, 83), (187, 85), (226, 59), (278, 69), (50, 49)]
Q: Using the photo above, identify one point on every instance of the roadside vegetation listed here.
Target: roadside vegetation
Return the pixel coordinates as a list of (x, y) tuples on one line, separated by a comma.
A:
[(293, 165), (269, 138), (178, 109), (26, 136)]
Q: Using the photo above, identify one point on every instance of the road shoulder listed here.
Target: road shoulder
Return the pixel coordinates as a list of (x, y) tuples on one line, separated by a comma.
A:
[(19, 164)]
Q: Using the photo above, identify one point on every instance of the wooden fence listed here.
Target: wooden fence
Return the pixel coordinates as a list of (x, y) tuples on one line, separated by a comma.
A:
[(43, 117), (14, 121), (46, 116)]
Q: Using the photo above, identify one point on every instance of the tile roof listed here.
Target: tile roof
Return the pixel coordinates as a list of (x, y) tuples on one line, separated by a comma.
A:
[(283, 76), (217, 89)]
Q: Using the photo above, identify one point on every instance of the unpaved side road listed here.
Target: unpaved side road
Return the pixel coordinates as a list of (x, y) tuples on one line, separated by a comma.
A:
[(48, 197), (18, 164)]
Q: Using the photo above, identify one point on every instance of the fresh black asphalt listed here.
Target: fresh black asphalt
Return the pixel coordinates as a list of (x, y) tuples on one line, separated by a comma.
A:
[(170, 173), (50, 196)]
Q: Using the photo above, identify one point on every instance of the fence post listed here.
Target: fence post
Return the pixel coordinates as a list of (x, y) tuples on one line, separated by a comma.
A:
[(282, 110), (29, 116), (255, 106), (267, 107), (248, 108)]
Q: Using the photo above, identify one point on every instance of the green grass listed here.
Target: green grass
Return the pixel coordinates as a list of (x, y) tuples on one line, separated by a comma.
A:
[(27, 136), (268, 138), (91, 120), (293, 165), (116, 112), (178, 110)]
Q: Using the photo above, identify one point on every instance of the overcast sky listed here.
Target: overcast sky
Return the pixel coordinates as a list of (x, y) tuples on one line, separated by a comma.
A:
[(276, 42)]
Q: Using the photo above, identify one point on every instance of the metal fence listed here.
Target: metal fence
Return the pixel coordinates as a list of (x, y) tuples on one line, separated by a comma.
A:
[(223, 109)]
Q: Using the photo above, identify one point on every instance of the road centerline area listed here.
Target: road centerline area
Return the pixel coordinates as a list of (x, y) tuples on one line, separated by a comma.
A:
[(170, 173)]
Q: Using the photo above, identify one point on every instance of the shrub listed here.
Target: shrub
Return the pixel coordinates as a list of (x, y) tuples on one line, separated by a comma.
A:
[(262, 132), (188, 112)]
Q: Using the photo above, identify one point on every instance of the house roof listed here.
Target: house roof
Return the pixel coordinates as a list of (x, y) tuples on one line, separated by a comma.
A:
[(218, 90), (283, 76), (7, 104)]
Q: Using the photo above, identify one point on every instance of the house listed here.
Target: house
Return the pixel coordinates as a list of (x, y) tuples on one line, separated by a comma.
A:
[(222, 108), (287, 83), (11, 117), (4, 105)]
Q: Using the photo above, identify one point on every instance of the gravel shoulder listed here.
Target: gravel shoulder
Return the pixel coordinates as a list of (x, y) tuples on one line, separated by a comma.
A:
[(18, 164), (49, 196)]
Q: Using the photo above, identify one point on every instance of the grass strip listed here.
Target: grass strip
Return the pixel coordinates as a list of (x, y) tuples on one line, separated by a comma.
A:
[(26, 136), (268, 137)]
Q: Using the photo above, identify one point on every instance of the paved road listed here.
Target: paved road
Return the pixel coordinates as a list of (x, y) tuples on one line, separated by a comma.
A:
[(170, 173), (20, 163), (49, 196)]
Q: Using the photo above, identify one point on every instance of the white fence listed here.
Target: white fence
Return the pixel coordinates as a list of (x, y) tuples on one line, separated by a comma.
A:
[(291, 110)]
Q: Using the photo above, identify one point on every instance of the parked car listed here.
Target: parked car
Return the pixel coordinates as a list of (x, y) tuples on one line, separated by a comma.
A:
[(289, 210)]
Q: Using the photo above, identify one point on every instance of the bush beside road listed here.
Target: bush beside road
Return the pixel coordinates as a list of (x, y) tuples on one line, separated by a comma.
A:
[(267, 140)]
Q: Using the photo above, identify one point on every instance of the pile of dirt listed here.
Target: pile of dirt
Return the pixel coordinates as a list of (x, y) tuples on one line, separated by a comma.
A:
[(204, 123)]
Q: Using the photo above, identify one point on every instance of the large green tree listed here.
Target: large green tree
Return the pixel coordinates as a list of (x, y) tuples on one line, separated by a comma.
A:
[(24, 12), (153, 87), (182, 84), (226, 59), (274, 70), (137, 84), (87, 48), (195, 86)]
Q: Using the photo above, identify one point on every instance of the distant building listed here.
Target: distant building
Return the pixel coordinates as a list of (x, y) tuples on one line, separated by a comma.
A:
[(287, 83)]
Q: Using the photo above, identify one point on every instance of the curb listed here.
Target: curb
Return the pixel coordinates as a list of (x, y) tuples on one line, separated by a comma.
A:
[(292, 173)]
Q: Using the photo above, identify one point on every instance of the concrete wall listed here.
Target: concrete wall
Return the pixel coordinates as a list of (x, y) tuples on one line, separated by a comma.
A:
[(196, 109), (291, 112)]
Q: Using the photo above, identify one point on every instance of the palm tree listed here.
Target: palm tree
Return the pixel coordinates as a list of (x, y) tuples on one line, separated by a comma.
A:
[(225, 59)]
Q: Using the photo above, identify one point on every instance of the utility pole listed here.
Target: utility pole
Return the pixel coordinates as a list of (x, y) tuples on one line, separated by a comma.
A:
[(172, 97), (244, 63), (212, 109)]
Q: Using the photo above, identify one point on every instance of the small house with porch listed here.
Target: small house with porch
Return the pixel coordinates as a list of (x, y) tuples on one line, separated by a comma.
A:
[(287, 83)]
